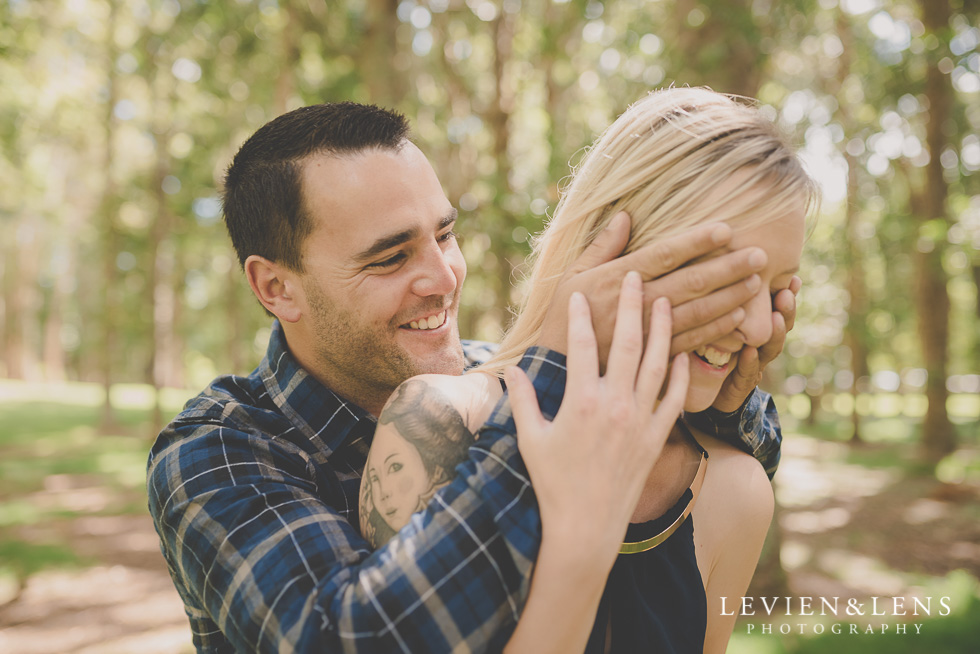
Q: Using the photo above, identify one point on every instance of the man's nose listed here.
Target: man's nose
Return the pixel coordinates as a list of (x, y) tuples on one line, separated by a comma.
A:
[(435, 275), (756, 329)]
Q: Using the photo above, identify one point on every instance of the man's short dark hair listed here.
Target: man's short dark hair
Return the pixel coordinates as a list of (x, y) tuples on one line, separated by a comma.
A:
[(263, 197)]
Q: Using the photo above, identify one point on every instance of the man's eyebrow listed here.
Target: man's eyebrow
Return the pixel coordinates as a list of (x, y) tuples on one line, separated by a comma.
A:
[(386, 243), (394, 240), (449, 218)]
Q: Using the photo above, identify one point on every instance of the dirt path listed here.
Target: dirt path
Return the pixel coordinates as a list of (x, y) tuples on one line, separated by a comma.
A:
[(848, 530), (124, 604)]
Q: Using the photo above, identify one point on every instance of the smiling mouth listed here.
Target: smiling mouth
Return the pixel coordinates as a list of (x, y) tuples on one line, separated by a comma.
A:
[(431, 322), (713, 357)]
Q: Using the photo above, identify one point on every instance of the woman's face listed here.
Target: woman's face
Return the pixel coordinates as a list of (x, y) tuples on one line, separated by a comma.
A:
[(399, 481), (781, 238)]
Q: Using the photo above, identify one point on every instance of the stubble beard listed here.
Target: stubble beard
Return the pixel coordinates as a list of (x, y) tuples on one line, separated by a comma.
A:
[(366, 356)]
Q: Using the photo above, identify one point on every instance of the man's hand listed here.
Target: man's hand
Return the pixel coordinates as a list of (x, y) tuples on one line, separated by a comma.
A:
[(706, 297), (752, 361)]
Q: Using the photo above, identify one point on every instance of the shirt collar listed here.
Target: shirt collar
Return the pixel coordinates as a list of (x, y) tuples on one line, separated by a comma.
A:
[(315, 410)]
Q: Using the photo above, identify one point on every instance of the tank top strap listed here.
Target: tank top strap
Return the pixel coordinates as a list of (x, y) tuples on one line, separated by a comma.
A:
[(690, 436), (690, 496)]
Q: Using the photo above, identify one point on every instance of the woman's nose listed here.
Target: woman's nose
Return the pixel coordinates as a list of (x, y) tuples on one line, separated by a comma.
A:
[(756, 329)]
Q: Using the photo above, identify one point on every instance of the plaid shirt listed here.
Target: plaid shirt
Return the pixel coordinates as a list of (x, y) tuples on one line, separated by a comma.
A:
[(253, 490)]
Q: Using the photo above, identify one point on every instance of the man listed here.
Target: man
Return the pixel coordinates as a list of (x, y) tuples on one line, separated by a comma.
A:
[(345, 236)]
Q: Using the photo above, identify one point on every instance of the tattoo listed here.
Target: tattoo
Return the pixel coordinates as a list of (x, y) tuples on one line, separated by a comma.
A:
[(421, 438)]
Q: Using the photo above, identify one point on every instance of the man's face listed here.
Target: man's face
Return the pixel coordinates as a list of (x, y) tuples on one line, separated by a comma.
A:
[(383, 272)]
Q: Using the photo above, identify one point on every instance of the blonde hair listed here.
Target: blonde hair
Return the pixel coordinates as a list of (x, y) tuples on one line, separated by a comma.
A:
[(659, 161)]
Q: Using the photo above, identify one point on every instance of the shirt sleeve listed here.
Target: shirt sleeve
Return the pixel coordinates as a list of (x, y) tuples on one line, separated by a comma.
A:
[(253, 547), (753, 427)]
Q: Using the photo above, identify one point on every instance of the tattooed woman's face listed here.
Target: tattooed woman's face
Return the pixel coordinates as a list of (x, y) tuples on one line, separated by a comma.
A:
[(400, 484)]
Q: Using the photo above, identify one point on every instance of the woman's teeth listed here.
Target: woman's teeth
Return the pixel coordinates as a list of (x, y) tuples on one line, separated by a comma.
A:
[(716, 358), (429, 323)]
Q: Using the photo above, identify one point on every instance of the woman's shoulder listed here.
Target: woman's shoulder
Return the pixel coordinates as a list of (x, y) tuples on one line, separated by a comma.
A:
[(736, 484)]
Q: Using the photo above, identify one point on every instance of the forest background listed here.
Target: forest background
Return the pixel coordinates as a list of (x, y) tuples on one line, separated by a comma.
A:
[(121, 295)]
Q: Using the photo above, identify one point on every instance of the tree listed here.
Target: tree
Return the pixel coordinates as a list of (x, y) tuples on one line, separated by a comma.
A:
[(929, 205)]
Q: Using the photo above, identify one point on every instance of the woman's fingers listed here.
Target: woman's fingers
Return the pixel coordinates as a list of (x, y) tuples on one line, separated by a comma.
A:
[(653, 369), (523, 404), (627, 342), (670, 407), (583, 361)]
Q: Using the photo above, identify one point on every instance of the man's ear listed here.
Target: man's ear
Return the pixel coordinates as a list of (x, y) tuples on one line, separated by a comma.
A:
[(275, 286)]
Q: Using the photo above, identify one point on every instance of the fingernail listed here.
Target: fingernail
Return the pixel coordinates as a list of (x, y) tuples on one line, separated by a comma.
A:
[(720, 234), (612, 221), (758, 258), (633, 280), (753, 283), (739, 314), (661, 305)]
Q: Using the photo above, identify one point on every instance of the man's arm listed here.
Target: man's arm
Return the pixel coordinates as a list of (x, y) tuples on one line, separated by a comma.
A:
[(753, 428), (256, 549)]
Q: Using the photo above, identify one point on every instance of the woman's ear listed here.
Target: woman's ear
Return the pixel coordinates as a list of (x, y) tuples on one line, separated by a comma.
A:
[(275, 286)]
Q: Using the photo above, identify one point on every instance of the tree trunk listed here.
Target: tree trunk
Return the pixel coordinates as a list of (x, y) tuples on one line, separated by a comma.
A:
[(499, 120), (289, 42), (379, 62), (110, 233), (938, 437), (160, 259), (21, 315), (856, 333), (13, 343), (723, 52)]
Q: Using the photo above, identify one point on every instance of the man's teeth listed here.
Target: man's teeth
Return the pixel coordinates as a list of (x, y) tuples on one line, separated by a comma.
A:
[(715, 357), (429, 323)]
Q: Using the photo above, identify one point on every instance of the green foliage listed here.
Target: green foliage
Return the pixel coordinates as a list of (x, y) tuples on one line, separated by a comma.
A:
[(23, 559), (955, 633), (503, 97)]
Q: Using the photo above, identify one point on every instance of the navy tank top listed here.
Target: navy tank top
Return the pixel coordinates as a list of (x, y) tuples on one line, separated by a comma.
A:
[(654, 599)]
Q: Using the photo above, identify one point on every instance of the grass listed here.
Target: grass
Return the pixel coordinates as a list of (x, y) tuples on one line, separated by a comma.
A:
[(955, 633), (57, 465)]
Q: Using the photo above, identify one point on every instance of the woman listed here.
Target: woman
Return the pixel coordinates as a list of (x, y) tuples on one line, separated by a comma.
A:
[(676, 158)]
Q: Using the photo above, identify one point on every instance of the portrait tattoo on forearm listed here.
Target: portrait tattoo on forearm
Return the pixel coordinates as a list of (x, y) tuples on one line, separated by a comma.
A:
[(420, 440)]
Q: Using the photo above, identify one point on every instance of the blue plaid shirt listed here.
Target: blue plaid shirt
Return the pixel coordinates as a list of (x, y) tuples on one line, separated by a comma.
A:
[(253, 490)]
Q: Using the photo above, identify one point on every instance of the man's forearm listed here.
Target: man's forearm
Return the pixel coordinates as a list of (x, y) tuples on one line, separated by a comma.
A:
[(754, 428), (309, 579)]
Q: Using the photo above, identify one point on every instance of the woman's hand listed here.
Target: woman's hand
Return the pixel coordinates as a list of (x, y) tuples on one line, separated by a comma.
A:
[(589, 466)]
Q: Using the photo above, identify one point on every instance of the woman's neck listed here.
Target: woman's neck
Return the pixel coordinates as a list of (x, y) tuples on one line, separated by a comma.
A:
[(671, 475)]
